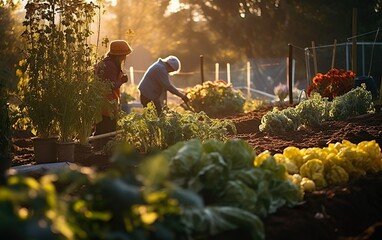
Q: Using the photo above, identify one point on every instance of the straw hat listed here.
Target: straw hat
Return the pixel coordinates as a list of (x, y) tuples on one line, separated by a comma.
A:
[(119, 47)]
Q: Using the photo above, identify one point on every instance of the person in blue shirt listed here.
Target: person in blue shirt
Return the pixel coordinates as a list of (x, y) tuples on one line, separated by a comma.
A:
[(155, 82)]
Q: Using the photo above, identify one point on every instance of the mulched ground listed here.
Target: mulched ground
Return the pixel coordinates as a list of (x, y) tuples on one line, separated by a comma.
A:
[(351, 212)]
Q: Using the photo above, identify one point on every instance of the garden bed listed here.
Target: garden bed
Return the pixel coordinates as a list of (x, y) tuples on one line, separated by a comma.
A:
[(348, 212)]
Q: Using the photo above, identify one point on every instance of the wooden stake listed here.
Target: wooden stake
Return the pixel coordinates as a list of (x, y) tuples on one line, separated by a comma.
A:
[(228, 73), (334, 52), (201, 69), (314, 58), (248, 80), (216, 71), (354, 41), (290, 73)]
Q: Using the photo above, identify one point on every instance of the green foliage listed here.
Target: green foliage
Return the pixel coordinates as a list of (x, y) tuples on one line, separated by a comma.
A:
[(215, 220), (357, 102), (149, 132), (141, 199), (313, 111), (253, 104), (91, 101), (276, 121), (79, 203), (216, 98), (222, 173), (29, 209), (57, 83)]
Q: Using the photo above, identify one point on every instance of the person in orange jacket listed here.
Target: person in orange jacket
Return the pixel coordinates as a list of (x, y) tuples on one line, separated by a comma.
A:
[(109, 69)]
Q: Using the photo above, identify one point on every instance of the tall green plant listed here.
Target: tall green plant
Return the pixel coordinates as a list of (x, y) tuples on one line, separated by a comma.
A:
[(59, 65), (91, 102)]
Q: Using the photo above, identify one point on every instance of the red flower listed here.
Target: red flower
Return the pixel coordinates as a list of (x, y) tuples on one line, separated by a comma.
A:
[(335, 82)]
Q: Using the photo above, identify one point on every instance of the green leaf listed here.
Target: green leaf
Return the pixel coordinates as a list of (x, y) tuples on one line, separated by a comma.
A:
[(212, 173), (181, 165), (120, 195), (217, 220), (213, 145), (238, 153), (186, 198)]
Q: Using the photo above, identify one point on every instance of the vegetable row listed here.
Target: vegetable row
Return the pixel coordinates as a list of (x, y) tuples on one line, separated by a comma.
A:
[(192, 190), (316, 168)]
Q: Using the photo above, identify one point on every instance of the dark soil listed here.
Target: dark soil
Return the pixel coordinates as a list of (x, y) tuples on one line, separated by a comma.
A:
[(351, 212)]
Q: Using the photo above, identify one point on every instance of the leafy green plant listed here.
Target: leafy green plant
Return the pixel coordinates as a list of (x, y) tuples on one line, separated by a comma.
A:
[(29, 209), (79, 203), (276, 121), (148, 132), (37, 105), (215, 98), (316, 109), (356, 102), (59, 67), (253, 104), (90, 104), (236, 194)]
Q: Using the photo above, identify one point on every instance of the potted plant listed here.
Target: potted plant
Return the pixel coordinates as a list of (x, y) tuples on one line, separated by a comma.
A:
[(58, 64), (36, 81), (90, 105), (78, 100), (36, 101)]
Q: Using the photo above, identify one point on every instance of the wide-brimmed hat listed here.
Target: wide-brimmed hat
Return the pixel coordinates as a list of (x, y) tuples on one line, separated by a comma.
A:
[(119, 47)]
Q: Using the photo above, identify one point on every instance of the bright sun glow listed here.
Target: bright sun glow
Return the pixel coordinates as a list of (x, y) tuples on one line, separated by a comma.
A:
[(173, 7)]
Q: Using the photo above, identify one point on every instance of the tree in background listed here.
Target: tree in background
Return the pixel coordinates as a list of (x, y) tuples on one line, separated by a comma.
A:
[(264, 28), (10, 43), (10, 31), (229, 31), (135, 21), (150, 24)]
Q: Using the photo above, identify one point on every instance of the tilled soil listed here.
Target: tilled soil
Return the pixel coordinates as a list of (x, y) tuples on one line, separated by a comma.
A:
[(351, 212)]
